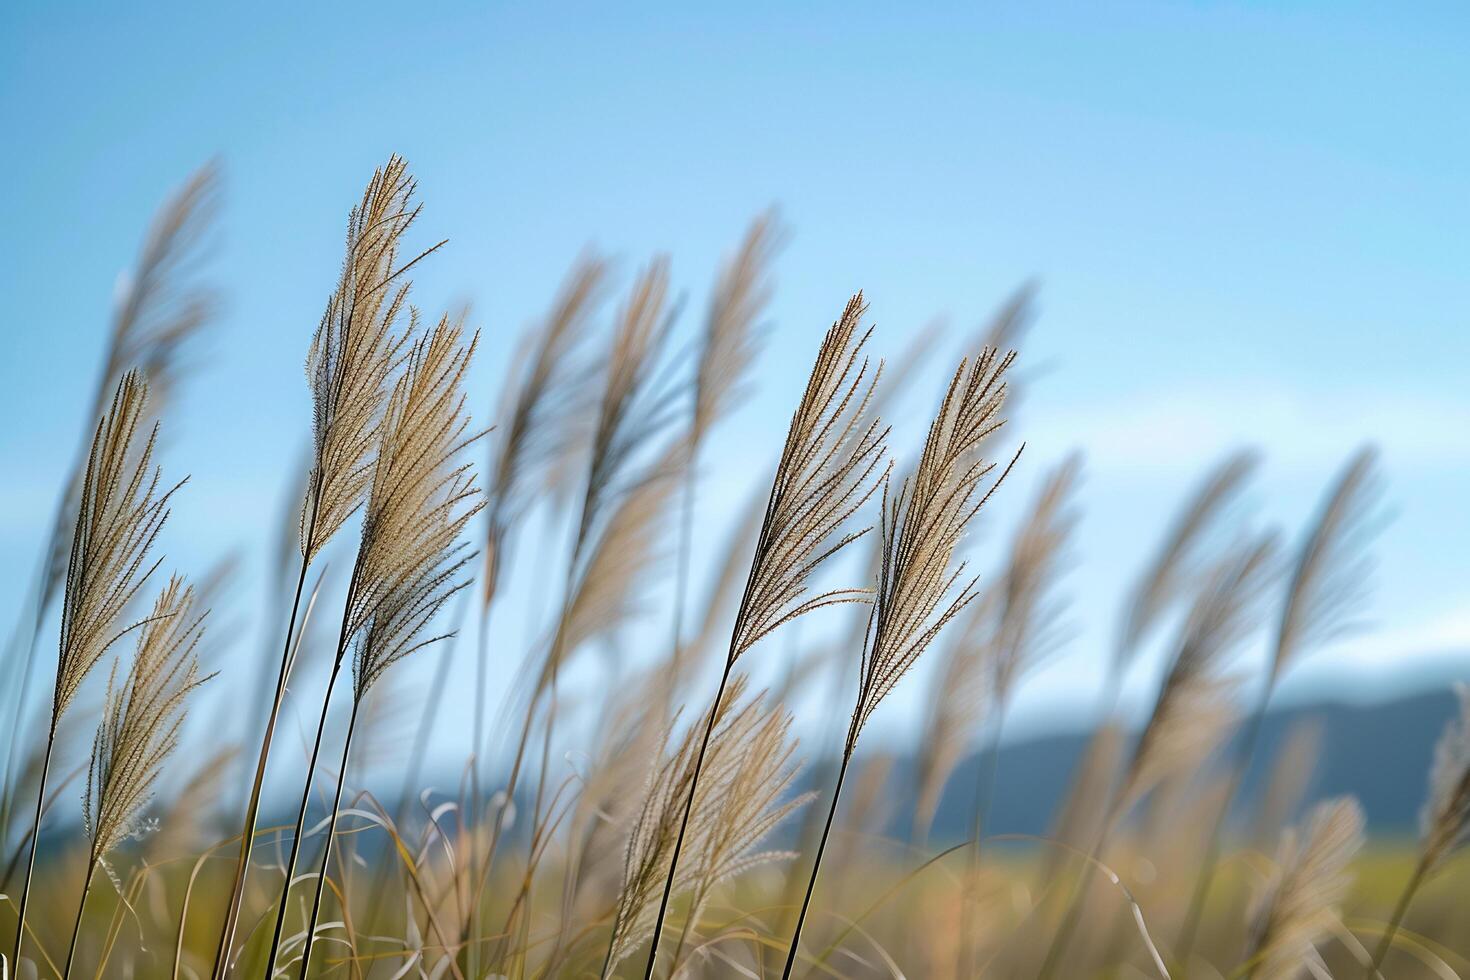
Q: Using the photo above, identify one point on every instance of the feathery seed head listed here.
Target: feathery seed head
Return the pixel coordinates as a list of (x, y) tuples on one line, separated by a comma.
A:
[(542, 393), (142, 718), (1193, 706), (1175, 563), (1028, 612), (736, 805), (920, 588), (354, 352), (729, 344), (412, 556), (1445, 820), (829, 467), (1298, 902), (1329, 579), (120, 514)]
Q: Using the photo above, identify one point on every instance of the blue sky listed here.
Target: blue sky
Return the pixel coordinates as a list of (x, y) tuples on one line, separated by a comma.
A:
[(1247, 223)]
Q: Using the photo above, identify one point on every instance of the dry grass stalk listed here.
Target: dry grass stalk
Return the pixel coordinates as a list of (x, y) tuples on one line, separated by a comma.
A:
[(1298, 902), (1176, 562), (827, 471), (736, 805), (539, 419), (120, 513), (920, 588), (1445, 820), (1011, 627), (1029, 612), (730, 340), (1329, 580), (352, 357), (1327, 585), (727, 349), (747, 804), (960, 694), (541, 392), (141, 720), (157, 322), (606, 594), (354, 352), (159, 318), (1169, 573), (1192, 707), (633, 408), (923, 525), (411, 558)]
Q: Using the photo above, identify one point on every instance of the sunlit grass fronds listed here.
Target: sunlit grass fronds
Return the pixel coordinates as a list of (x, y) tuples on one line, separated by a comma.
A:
[(1192, 707), (1176, 562), (159, 317), (648, 859), (737, 804), (163, 306), (1329, 577), (412, 554), (633, 407), (960, 696), (920, 588), (1299, 901), (827, 471), (730, 339), (1006, 329), (1326, 589), (747, 804), (606, 593), (121, 512), (1290, 778), (1029, 614), (355, 351), (540, 393), (411, 557), (1445, 820), (142, 718)]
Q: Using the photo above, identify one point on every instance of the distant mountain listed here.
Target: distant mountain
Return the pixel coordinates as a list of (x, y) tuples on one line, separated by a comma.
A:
[(1379, 753)]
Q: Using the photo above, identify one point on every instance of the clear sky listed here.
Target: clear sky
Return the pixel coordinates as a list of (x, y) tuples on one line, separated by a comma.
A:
[(1248, 223)]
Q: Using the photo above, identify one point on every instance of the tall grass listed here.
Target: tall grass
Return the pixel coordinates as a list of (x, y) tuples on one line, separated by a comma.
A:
[(630, 806)]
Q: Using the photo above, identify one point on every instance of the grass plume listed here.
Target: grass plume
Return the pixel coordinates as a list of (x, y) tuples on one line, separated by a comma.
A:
[(122, 508)]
